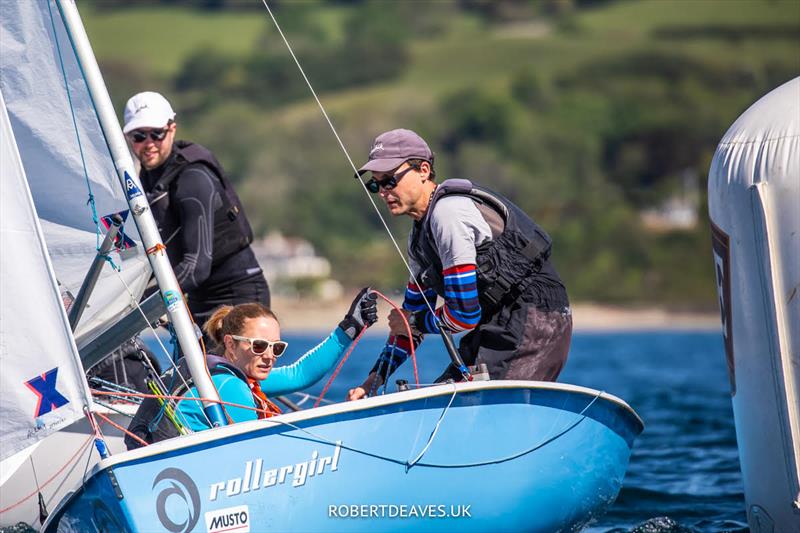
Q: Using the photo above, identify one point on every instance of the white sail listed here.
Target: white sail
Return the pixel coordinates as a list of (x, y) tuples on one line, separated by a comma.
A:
[(42, 387), (62, 138), (754, 205), (62, 148)]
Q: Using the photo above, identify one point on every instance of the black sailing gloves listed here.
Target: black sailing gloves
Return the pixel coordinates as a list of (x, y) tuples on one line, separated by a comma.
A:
[(362, 314)]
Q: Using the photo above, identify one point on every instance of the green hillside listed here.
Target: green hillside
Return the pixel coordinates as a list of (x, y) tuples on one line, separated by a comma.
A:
[(588, 113)]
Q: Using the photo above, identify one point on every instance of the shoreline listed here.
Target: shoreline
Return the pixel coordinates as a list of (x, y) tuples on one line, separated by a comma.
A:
[(306, 316)]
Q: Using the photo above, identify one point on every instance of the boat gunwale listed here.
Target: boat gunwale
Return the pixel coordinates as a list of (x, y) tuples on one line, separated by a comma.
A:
[(201, 438)]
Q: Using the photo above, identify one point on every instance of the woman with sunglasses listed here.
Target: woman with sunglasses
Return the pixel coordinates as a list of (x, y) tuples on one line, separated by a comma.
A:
[(248, 339)]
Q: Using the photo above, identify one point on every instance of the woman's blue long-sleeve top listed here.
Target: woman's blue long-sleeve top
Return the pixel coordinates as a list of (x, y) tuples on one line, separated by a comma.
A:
[(281, 380)]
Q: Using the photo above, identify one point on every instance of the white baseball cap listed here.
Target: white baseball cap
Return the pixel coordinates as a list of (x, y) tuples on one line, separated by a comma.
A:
[(147, 110)]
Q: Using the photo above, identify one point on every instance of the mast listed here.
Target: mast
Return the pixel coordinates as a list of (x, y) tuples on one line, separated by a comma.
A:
[(140, 209)]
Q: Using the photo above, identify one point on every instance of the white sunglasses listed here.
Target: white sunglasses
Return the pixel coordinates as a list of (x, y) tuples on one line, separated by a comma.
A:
[(259, 346)]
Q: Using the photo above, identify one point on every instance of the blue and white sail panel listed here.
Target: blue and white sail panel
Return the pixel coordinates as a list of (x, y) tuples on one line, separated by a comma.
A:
[(65, 154), (42, 387)]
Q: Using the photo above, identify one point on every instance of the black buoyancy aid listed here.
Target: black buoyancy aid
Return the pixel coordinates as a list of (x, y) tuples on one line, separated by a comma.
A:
[(149, 423), (232, 231), (515, 260)]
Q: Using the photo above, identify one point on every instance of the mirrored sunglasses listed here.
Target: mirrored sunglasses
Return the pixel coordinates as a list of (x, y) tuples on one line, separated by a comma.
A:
[(259, 346), (139, 136), (388, 183)]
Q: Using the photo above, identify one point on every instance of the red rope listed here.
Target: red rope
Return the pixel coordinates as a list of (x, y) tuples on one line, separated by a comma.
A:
[(355, 342), (338, 368), (203, 349), (408, 330), (324, 390), (122, 429), (93, 423), (43, 485), (166, 397)]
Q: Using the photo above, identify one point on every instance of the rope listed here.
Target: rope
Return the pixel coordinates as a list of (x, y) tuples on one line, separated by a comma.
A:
[(42, 506), (164, 348), (405, 463), (92, 423), (111, 386), (112, 408), (182, 398), (408, 465), (167, 397), (167, 408), (338, 368), (90, 200), (432, 436), (358, 338), (124, 430), (347, 155), (305, 397), (83, 446)]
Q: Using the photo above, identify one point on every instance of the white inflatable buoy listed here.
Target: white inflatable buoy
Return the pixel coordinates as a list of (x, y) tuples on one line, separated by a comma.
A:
[(754, 204)]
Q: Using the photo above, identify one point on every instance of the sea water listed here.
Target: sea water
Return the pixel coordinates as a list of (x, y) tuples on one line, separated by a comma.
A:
[(684, 470)]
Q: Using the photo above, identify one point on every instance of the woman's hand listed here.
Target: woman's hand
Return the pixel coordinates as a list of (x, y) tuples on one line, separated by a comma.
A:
[(372, 383), (362, 314)]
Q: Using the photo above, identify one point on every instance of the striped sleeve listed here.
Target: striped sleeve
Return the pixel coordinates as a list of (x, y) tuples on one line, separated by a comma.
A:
[(461, 310), (414, 300), (397, 348), (394, 354)]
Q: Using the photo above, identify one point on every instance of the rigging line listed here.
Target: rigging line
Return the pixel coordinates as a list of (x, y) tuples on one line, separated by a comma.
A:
[(157, 375), (122, 365), (355, 343), (187, 398), (111, 386), (339, 367), (112, 408), (91, 450), (432, 436), (349, 159), (122, 429), (318, 438), (164, 348), (51, 478), (306, 396), (91, 202), (113, 397), (35, 477)]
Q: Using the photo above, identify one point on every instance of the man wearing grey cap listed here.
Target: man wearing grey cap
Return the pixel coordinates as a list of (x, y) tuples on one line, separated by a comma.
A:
[(483, 256), (198, 213)]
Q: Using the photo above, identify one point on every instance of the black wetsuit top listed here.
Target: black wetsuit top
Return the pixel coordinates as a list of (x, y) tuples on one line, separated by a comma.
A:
[(196, 194)]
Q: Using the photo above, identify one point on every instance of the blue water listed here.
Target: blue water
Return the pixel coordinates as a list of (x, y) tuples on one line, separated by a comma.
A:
[(684, 466)]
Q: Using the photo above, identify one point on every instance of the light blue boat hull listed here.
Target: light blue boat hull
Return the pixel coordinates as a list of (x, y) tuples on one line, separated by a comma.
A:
[(507, 456)]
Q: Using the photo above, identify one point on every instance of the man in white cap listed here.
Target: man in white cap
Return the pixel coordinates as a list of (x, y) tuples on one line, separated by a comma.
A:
[(487, 260), (198, 213)]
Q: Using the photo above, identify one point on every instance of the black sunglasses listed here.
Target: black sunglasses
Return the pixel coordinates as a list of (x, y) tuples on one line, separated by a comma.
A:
[(139, 136), (390, 182)]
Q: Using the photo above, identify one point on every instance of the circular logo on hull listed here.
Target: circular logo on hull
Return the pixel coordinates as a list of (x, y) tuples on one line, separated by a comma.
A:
[(177, 485)]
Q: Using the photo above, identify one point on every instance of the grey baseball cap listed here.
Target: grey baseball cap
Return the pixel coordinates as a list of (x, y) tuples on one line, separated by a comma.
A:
[(392, 148)]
